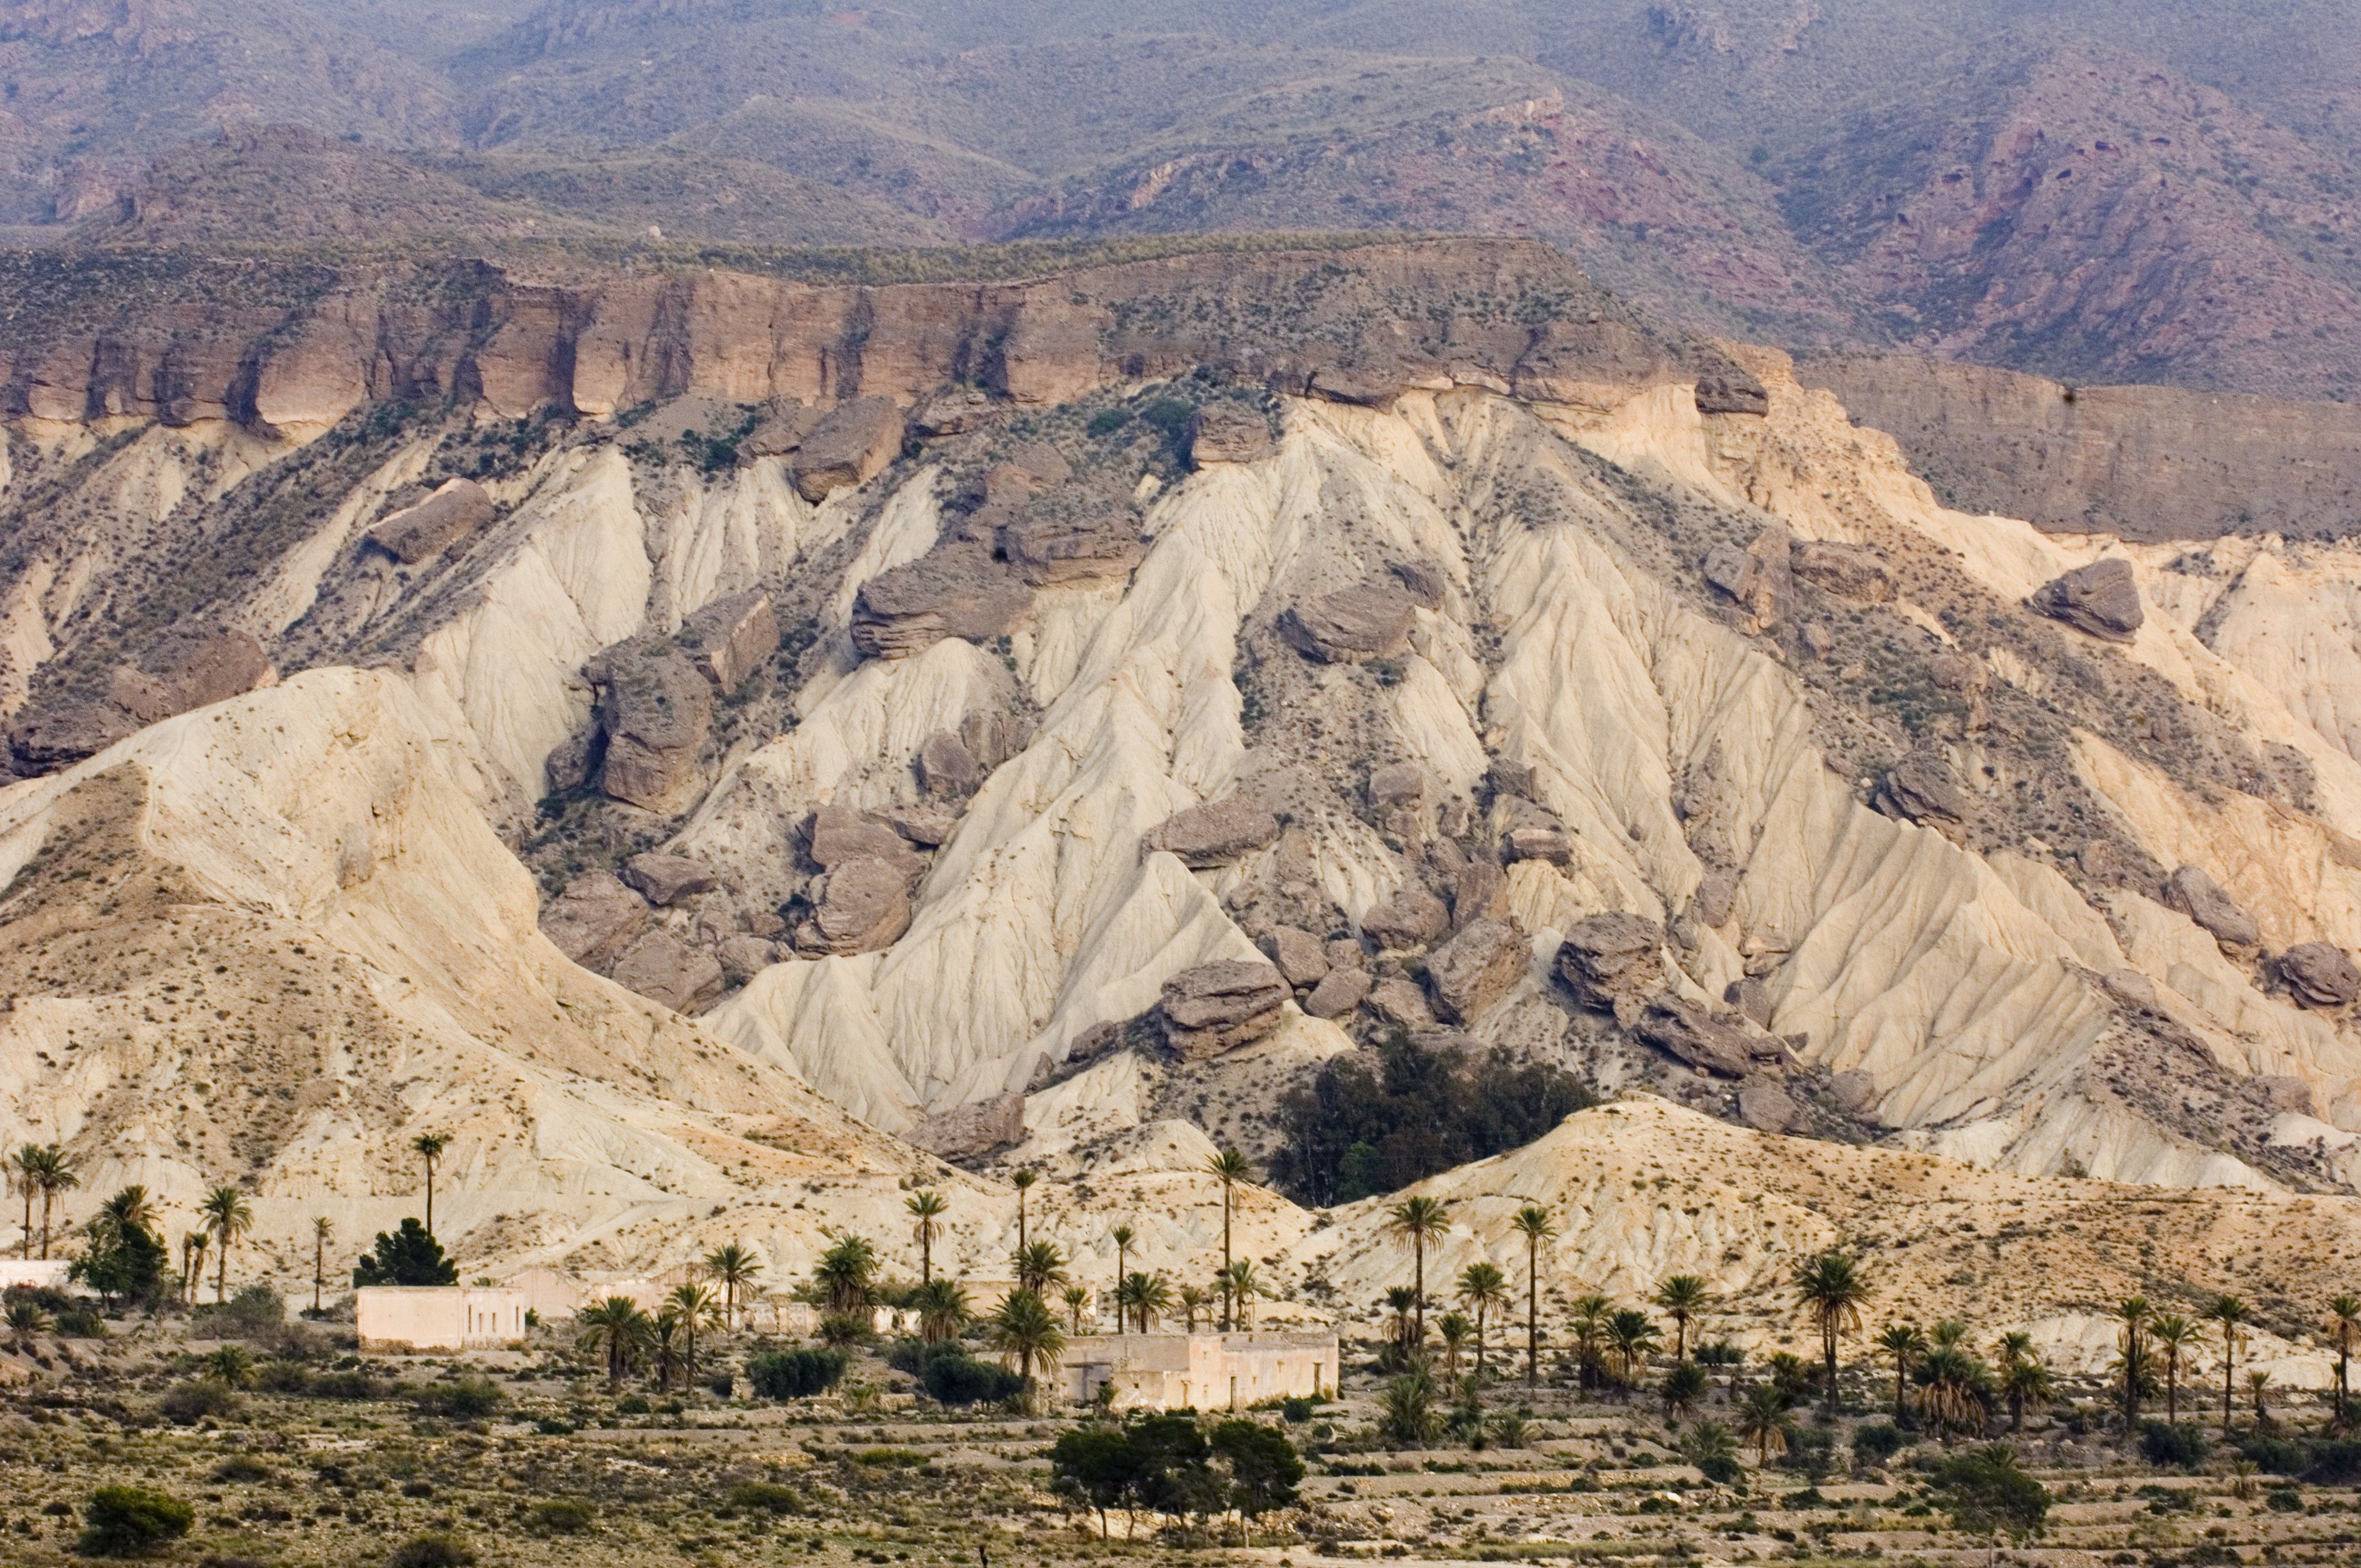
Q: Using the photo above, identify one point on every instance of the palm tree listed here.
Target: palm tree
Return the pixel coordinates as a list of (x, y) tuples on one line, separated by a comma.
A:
[(1482, 1287), (619, 1328), (1589, 1326), (695, 1307), (24, 1176), (1905, 1342), (2173, 1334), (430, 1147), (1682, 1297), (1022, 1179), (192, 1265), (1456, 1332), (1762, 1421), (847, 1274), (2131, 1340), (129, 1210), (2344, 1316), (2231, 1313), (1040, 1266), (1076, 1298), (2022, 1377), (1402, 1327), (323, 1230), (942, 1311), (1123, 1237), (1833, 1290), (663, 1348), (1954, 1385), (1025, 1330), (1419, 1221), (57, 1174), (735, 1267), (2258, 1384), (1533, 1223), (229, 1217), (1229, 1168), (926, 1208), (1195, 1301), (1151, 1298), (1242, 1290), (1631, 1335)]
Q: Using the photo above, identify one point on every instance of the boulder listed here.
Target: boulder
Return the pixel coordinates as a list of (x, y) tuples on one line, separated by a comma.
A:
[(662, 968), (946, 767), (971, 1132), (1047, 549), (1475, 969), (1372, 621), (1716, 898), (1398, 1001), (1226, 433), (595, 919), (729, 639), (1345, 952), (656, 711), (2131, 988), (1686, 1031), (1731, 392), (1098, 1041), (1751, 997), (575, 761), (850, 445), (778, 431), (956, 589), (1397, 783), (1411, 918), (841, 834), (1764, 1106), (1301, 960), (1921, 787), (2319, 974), (1213, 834), (223, 665), (1512, 779), (2101, 598), (1759, 577), (1339, 993), (924, 825), (858, 905), (1479, 891), (1856, 1091), (1612, 962), (1536, 841), (1423, 580), (2199, 896), (1219, 1006), (667, 879), (743, 958), (1848, 571), (953, 411), (460, 509)]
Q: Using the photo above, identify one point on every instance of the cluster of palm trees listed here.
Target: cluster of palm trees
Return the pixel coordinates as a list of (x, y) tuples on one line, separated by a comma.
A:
[(42, 1171), (45, 1171), (629, 1337)]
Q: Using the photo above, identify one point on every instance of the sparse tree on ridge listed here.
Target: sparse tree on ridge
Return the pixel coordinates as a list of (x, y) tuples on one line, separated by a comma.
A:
[(1833, 1292), (229, 1217), (1229, 1168), (1683, 1297), (926, 1208), (1123, 1237), (1419, 1221), (430, 1147), (1533, 1223)]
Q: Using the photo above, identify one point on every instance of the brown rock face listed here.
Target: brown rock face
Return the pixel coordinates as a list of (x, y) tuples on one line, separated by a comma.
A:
[(1372, 621), (1726, 394), (227, 664), (2320, 974), (924, 825), (729, 639), (460, 509), (1715, 898), (662, 968), (1921, 787), (667, 878), (1398, 1001), (593, 919), (1213, 834), (1339, 993), (2101, 598), (1397, 783), (2198, 895), (1411, 919), (1613, 963), (1848, 571), (2287, 1096), (971, 1132), (1765, 1107), (1301, 958), (656, 711), (851, 445), (1855, 1091), (956, 589), (1475, 969), (1046, 550), (1688, 1032), (841, 834), (64, 736), (946, 767), (1536, 841), (1220, 1006), (1223, 432), (1759, 577), (859, 906)]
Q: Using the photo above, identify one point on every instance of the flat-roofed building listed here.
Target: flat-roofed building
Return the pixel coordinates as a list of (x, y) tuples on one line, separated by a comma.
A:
[(420, 1318), (1203, 1372)]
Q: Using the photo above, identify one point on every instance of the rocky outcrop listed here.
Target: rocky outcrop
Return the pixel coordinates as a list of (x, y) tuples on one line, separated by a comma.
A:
[(729, 639), (1220, 1006), (1759, 577), (1301, 958), (1613, 962), (1687, 1032), (2320, 974), (662, 968), (1855, 1091), (1475, 969), (1063, 547), (1339, 993), (2196, 894), (1767, 1108), (851, 445), (1411, 919), (1372, 621), (1715, 900), (858, 906), (1537, 841), (223, 665), (61, 736), (2101, 598), (1397, 785), (595, 919), (971, 1132), (1399, 1002), (924, 825), (1922, 787), (1213, 834), (1225, 432), (956, 589), (1848, 571), (460, 509), (666, 880), (655, 711)]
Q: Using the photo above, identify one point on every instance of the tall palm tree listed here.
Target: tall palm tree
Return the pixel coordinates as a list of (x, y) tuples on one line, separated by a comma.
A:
[(619, 1328), (1482, 1287), (847, 1274), (430, 1147), (1243, 1290), (24, 1176), (1401, 1324), (1533, 1223), (1195, 1301), (2022, 1377), (1229, 1168), (57, 1174), (2232, 1314), (1148, 1297), (2131, 1340), (1022, 1179), (1631, 1335), (735, 1267), (926, 1208), (1905, 1342), (1833, 1290), (229, 1217), (1040, 1266), (942, 1311), (1589, 1327), (2173, 1334), (323, 1230), (192, 1265), (1025, 1332), (129, 1210), (1682, 1297), (2343, 1317), (2258, 1384), (1123, 1237), (1419, 1221), (697, 1308), (1762, 1421), (663, 1348), (1076, 1298), (1455, 1330)]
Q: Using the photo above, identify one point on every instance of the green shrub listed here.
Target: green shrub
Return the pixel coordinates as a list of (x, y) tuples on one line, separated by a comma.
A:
[(80, 1322), (560, 1515), (795, 1373), (632, 1405), (1106, 422), (431, 1551), (349, 1385), (2185, 1445), (2284, 1500), (467, 1399), (131, 1521), (409, 1256), (765, 1498), (241, 1467), (1877, 1442), (188, 1403), (952, 1377), (2335, 1462), (2274, 1455), (1721, 1469)]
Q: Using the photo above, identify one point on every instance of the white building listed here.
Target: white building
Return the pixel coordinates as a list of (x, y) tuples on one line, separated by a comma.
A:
[(415, 1318), (1203, 1372), (35, 1273)]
